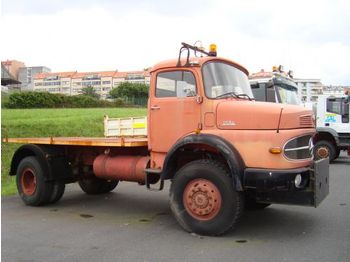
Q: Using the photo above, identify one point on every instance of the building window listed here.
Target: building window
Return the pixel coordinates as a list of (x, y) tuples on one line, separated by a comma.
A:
[(52, 83), (91, 77), (53, 90), (134, 77), (49, 78), (96, 83), (106, 82)]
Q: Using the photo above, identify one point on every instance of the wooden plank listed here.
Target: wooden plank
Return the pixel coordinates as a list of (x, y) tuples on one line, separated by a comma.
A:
[(82, 141)]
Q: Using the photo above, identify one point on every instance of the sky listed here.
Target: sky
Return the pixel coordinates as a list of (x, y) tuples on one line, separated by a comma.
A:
[(312, 38)]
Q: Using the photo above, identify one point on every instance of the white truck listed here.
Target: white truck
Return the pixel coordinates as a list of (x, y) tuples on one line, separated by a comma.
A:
[(332, 113), (333, 126)]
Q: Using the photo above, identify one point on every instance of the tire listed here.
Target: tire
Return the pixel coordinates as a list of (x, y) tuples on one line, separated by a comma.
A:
[(337, 153), (31, 184), (213, 205), (251, 204), (95, 186), (324, 149), (57, 191)]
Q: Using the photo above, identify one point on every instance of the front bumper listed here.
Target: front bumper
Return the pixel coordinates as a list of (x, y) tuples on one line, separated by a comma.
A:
[(277, 186)]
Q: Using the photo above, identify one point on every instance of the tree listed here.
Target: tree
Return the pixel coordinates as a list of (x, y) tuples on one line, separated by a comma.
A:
[(130, 90), (90, 91)]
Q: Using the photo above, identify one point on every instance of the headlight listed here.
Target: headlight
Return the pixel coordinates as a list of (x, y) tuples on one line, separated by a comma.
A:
[(297, 181)]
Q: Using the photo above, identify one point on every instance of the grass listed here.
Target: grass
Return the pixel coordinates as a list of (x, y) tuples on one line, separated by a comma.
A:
[(51, 122)]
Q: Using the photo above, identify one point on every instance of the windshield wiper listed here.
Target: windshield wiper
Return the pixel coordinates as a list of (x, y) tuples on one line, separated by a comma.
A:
[(233, 94)]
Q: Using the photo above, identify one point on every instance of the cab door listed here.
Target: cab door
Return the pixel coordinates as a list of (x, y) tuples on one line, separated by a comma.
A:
[(173, 109)]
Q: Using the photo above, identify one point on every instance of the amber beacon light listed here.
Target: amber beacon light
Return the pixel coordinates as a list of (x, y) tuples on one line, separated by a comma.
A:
[(212, 50)]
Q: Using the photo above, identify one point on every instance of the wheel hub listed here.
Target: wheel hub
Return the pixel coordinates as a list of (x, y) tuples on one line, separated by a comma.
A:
[(202, 199), (28, 182), (323, 152)]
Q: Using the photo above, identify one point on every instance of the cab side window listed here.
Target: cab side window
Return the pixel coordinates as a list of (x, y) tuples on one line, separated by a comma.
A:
[(176, 84)]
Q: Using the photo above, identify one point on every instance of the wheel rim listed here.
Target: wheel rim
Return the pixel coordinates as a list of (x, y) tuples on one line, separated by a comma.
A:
[(28, 182), (202, 199), (323, 152)]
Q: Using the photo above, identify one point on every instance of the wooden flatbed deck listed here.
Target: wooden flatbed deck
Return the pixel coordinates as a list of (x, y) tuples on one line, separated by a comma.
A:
[(82, 141)]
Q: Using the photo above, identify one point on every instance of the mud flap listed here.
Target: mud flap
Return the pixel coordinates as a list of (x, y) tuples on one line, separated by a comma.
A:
[(320, 180)]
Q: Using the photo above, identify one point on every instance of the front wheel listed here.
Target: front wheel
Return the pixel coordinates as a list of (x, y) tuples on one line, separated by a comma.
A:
[(324, 149), (203, 198)]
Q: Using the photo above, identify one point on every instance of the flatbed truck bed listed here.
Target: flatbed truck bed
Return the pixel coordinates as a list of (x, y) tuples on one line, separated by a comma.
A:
[(83, 141)]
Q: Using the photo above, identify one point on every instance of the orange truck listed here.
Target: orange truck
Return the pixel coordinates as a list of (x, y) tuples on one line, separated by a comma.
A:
[(222, 151)]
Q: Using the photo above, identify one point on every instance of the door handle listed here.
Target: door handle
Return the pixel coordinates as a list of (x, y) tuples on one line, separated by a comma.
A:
[(155, 107)]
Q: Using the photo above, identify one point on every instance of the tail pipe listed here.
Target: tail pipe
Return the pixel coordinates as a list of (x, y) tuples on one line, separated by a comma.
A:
[(123, 168)]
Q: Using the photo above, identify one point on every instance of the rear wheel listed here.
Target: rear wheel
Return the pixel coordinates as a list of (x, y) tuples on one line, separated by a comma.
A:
[(94, 185), (203, 198), (57, 191), (324, 149), (31, 184)]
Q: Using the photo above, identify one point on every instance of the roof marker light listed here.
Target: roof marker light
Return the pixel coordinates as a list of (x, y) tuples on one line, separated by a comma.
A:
[(212, 50)]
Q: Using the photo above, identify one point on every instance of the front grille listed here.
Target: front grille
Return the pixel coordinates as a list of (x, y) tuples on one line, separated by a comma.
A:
[(299, 148), (306, 121)]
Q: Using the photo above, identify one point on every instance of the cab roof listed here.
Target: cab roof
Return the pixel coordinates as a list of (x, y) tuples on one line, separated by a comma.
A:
[(195, 62)]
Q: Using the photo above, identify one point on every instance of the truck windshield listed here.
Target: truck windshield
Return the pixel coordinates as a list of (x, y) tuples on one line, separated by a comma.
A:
[(224, 80), (287, 94)]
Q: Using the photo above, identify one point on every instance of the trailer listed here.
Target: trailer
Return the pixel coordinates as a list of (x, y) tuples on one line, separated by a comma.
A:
[(222, 151)]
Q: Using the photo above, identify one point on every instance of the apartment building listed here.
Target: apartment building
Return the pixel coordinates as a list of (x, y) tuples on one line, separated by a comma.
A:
[(13, 66), (72, 83), (9, 74), (332, 90), (23, 74), (26, 76), (309, 89)]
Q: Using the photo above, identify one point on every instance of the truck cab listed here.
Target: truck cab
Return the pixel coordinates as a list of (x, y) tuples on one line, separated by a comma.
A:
[(276, 87)]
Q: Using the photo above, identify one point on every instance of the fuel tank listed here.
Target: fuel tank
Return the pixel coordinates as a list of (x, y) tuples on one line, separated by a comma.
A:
[(122, 168)]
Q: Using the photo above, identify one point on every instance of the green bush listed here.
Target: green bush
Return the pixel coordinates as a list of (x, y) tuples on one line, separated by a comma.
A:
[(131, 93), (129, 90), (4, 99), (48, 100)]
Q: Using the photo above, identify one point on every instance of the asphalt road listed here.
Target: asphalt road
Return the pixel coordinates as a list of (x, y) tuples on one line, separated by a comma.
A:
[(133, 224)]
